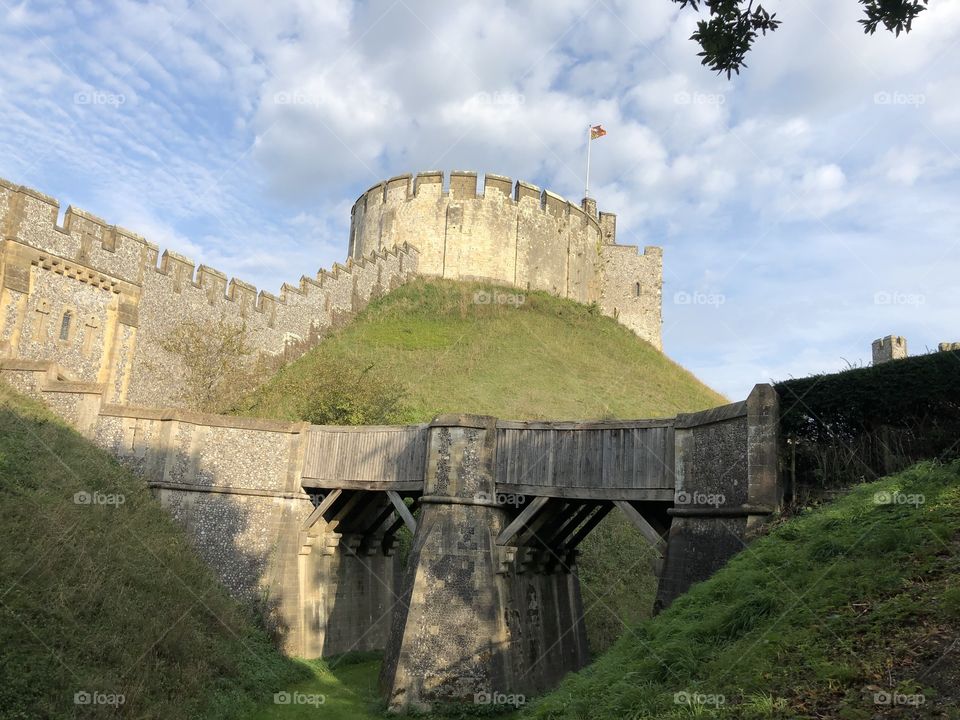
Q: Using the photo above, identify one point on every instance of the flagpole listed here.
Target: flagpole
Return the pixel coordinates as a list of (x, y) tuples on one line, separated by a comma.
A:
[(586, 185)]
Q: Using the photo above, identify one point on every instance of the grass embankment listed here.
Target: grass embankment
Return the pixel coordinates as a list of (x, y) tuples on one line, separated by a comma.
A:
[(844, 605), (105, 599), (453, 347), (849, 611), (543, 358)]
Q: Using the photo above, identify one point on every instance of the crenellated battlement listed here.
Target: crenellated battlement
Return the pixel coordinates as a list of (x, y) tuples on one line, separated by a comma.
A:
[(120, 340), (485, 227), (429, 185), (234, 290), (31, 217)]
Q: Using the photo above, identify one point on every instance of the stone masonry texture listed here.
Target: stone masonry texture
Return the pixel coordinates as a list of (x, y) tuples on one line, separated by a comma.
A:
[(100, 300), (480, 611), (467, 627)]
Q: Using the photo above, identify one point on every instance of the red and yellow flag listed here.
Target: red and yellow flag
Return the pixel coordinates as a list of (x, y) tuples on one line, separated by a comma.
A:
[(597, 131)]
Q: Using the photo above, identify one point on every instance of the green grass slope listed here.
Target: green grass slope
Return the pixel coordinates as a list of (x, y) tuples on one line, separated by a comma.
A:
[(109, 600), (543, 358), (850, 611)]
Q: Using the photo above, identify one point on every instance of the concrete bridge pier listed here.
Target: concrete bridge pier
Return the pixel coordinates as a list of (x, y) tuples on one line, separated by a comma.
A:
[(472, 624)]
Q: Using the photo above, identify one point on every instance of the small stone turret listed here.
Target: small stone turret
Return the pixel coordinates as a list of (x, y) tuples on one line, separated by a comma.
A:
[(892, 347)]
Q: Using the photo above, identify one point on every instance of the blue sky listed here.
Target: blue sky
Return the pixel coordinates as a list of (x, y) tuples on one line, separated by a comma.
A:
[(805, 208)]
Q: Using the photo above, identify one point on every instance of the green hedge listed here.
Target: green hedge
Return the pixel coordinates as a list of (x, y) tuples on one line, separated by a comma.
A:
[(863, 423)]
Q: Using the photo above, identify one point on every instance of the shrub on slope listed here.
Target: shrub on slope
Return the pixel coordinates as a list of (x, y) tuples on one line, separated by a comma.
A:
[(102, 599)]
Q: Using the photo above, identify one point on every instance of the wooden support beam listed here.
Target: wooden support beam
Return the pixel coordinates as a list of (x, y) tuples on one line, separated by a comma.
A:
[(402, 510), (363, 520), (590, 524), (321, 509), (640, 522), (576, 514), (398, 523), (385, 511), (522, 520), (575, 492), (344, 512), (572, 522), (560, 511), (537, 530)]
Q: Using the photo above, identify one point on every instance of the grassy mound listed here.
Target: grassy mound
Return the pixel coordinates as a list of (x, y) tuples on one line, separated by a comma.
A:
[(542, 358), (106, 609), (848, 611)]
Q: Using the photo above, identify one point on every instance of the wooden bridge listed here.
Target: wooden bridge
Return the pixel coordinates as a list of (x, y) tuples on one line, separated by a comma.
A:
[(556, 480), (502, 508)]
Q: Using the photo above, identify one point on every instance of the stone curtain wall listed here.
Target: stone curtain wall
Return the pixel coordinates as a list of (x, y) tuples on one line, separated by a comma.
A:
[(123, 297), (516, 235), (633, 289), (99, 299)]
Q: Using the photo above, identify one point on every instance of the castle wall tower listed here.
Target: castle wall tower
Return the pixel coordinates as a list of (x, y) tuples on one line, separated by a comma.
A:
[(891, 347), (514, 234)]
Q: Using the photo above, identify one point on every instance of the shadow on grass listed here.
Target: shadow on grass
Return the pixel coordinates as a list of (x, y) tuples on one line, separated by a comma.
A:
[(345, 688), (340, 688)]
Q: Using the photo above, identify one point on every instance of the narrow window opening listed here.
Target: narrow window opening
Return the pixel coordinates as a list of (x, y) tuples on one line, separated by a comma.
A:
[(636, 289), (65, 325)]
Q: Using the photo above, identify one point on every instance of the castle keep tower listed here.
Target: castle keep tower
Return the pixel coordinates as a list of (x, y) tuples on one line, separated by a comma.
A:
[(513, 234)]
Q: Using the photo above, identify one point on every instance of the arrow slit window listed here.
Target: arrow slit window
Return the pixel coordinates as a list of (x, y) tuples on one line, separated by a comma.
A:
[(65, 325)]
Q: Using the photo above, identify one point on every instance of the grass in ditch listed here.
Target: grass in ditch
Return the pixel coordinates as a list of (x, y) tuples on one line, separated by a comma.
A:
[(106, 610), (343, 688)]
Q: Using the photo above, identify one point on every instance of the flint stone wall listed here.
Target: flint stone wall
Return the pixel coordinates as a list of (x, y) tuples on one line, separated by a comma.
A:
[(727, 481), (469, 624), (234, 484)]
